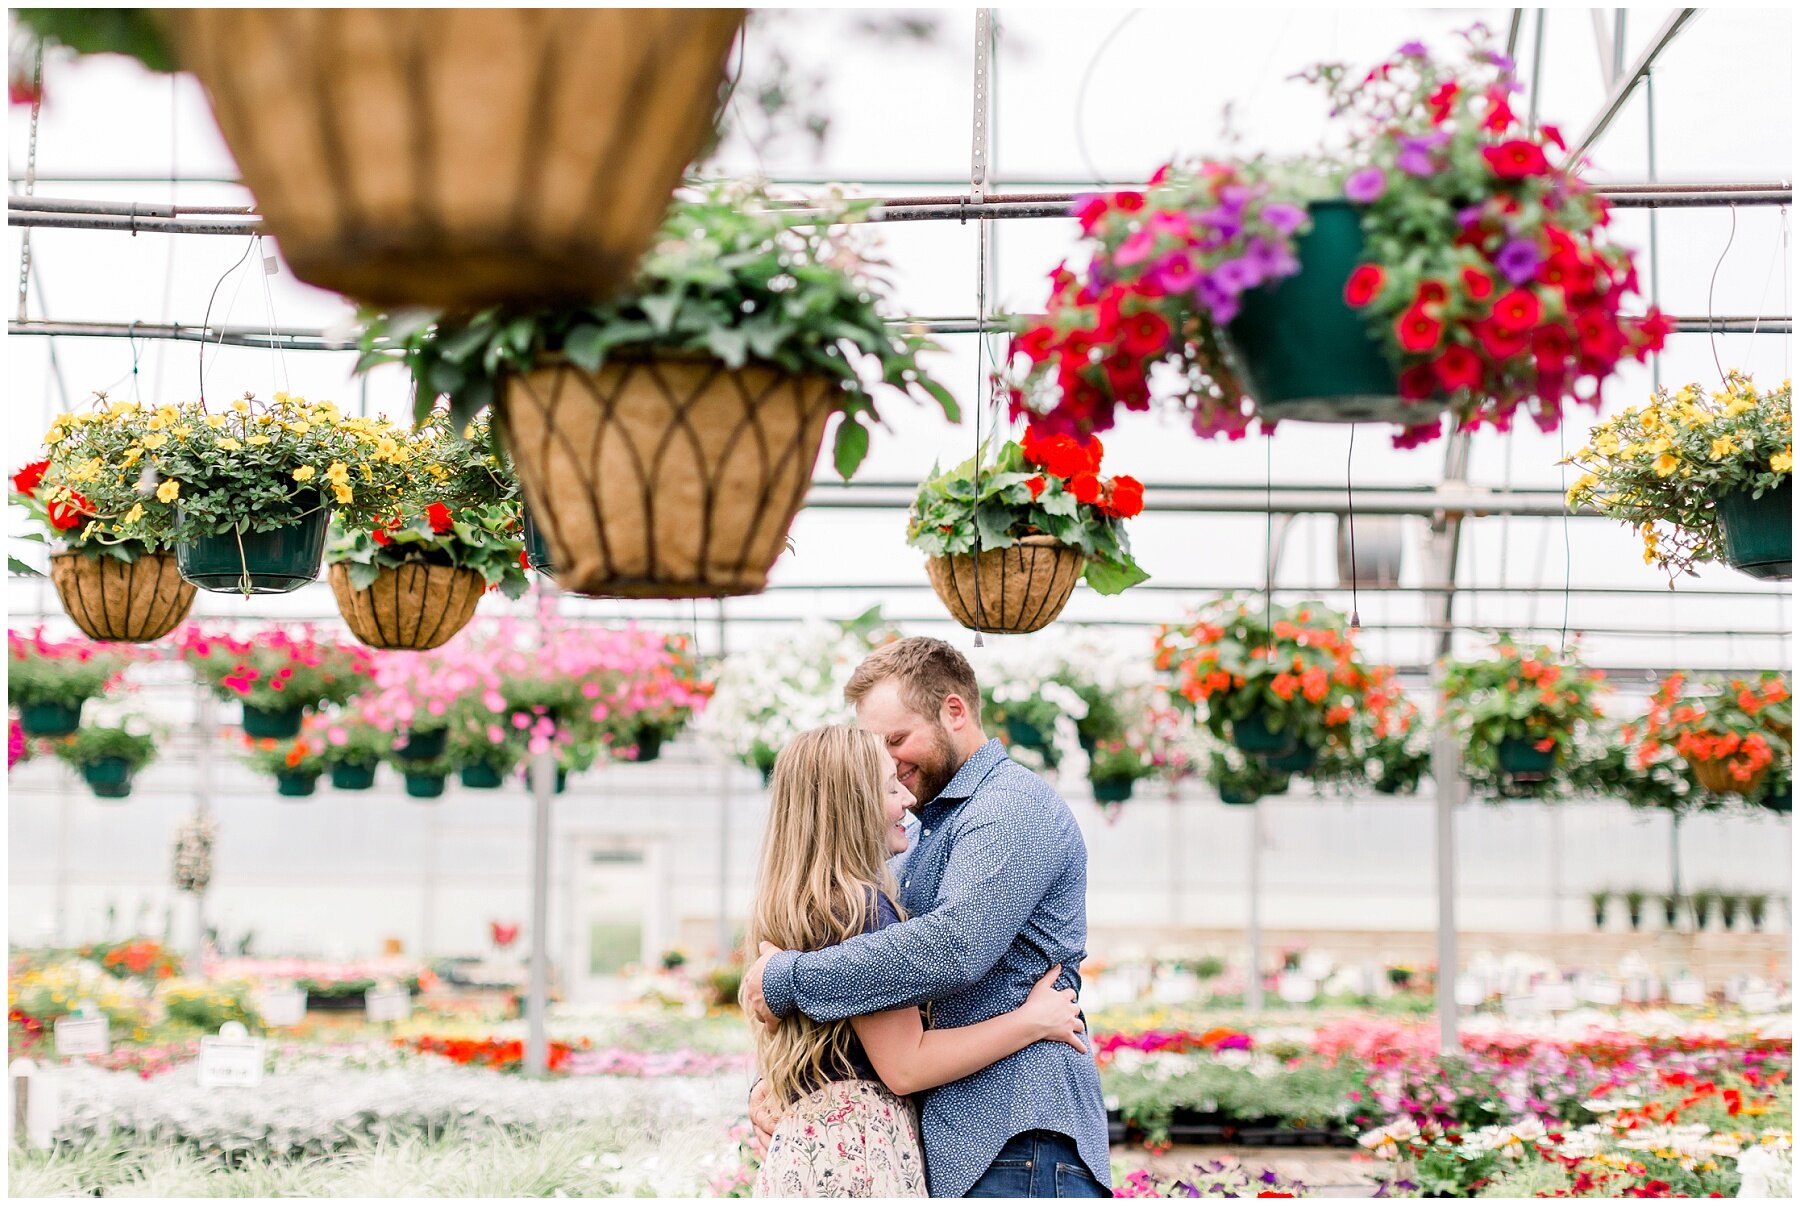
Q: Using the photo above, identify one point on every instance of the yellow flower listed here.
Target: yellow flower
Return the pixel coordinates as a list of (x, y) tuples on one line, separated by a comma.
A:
[(136, 513), (1665, 465), (131, 455), (230, 445), (215, 420), (155, 440), (344, 493), (304, 473), (183, 431), (169, 491), (257, 441), (338, 473), (298, 428), (1782, 462), (241, 406), (54, 435), (1722, 448)]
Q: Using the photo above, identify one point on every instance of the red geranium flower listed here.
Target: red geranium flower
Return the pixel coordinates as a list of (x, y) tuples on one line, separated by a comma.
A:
[(1036, 486), (1085, 487), (1516, 159), (1364, 284), (438, 515), (1458, 368), (26, 480), (1418, 331), (1517, 310), (1127, 497), (68, 513)]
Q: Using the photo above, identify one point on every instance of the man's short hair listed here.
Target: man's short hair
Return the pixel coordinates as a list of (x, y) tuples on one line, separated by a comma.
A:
[(927, 669)]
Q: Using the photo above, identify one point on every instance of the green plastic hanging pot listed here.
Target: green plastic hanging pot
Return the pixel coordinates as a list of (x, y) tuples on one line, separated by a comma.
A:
[(1780, 801), (258, 563), (107, 772), (353, 776), (1024, 733), (1303, 352), (537, 549), (296, 784), (1237, 797), (1523, 760), (649, 744), (278, 723), (1253, 735), (423, 745), (1112, 791), (425, 787), (49, 719), (113, 791), (1759, 532), (1297, 761), (480, 776)]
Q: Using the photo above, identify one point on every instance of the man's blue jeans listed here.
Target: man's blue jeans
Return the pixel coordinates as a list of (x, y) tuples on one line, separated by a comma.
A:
[(1038, 1164)]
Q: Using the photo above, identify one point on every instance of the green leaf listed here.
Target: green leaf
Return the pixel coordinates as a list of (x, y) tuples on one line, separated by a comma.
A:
[(994, 524), (661, 309), (852, 446), (363, 574), (1112, 577), (944, 397), (14, 565), (585, 346), (729, 345)]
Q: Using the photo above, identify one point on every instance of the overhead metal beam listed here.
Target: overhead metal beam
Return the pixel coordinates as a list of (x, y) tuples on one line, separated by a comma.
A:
[(1623, 87)]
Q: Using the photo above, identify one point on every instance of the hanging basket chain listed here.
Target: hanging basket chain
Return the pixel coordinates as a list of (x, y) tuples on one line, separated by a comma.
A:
[(37, 108)]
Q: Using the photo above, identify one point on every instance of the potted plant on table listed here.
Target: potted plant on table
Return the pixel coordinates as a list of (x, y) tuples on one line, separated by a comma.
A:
[(278, 675), (50, 681), (412, 580), (423, 778), (664, 440), (115, 587), (1733, 734), (1443, 258), (108, 756), (1241, 779), (354, 747), (1519, 712), (1278, 682), (1598, 898), (656, 688), (1701, 477), (1007, 540), (1115, 768)]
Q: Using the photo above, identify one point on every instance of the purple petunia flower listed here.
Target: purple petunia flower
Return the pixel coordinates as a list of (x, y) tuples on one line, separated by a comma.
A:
[(1217, 302), (1227, 222), (1415, 153), (1272, 261), (1413, 50), (1283, 216), (1468, 217), (1366, 185), (1234, 196), (1518, 261), (1235, 276)]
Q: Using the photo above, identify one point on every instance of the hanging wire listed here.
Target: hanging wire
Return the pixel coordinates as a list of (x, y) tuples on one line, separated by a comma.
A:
[(31, 149), (1087, 76), (1762, 301), (1562, 477), (277, 349), (1350, 519), (1712, 335), (206, 323)]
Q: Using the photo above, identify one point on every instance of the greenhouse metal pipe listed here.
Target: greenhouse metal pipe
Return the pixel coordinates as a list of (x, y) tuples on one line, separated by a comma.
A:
[(1622, 88), (543, 787), (1253, 981)]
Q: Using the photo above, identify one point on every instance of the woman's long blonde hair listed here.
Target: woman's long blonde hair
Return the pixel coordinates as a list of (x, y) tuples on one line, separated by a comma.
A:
[(824, 855)]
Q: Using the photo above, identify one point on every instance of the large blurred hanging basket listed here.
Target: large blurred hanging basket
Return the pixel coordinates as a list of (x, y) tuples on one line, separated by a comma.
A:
[(408, 606), (1021, 588), (460, 157), (1714, 774), (665, 475), (113, 600)]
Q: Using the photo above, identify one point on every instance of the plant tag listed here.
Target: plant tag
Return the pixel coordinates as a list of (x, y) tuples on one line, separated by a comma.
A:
[(282, 1007), (231, 1059), (1602, 992), (1687, 992), (391, 1005), (1759, 1000), (81, 1036), (1553, 995)]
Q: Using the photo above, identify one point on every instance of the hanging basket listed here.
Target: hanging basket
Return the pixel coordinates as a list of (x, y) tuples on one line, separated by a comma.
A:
[(479, 776), (1714, 774), (537, 549), (109, 777), (425, 787), (278, 723), (1522, 759), (1112, 791), (1759, 532), (1297, 761), (353, 776), (412, 606), (1237, 797), (1303, 352), (1021, 588), (424, 745), (296, 785), (648, 744), (1253, 735), (258, 563), (460, 157), (667, 475), (49, 719), (113, 600)]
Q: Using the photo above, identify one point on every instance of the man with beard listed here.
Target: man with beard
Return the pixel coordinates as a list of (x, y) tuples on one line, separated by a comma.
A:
[(995, 889)]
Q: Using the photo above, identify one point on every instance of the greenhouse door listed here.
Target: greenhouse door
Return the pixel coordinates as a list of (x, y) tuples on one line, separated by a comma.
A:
[(617, 914)]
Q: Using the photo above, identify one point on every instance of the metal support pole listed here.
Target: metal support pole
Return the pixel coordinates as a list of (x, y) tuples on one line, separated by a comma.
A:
[(65, 806), (1655, 252), (207, 721), (1446, 772), (428, 886), (543, 788), (722, 934), (1253, 986), (1622, 88)]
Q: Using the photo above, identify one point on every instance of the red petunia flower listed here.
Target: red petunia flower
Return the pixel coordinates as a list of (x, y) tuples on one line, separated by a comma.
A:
[(1418, 331), (1458, 368), (1418, 382), (1477, 285), (1516, 159), (1146, 333), (1364, 284), (1498, 343), (380, 537), (1517, 311), (26, 480), (1442, 101)]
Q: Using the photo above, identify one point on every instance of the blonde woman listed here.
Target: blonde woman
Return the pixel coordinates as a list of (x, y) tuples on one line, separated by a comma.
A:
[(846, 1130)]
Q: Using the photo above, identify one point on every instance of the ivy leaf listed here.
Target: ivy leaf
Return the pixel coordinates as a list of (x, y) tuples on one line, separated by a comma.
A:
[(585, 346), (661, 309), (362, 574), (728, 344), (15, 566), (994, 523)]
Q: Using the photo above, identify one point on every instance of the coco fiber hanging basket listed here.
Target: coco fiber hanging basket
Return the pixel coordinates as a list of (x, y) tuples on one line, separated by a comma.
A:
[(113, 600), (1021, 588), (408, 606), (460, 157), (665, 475)]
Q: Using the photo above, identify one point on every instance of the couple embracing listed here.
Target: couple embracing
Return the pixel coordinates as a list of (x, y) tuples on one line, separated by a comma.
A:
[(935, 963)]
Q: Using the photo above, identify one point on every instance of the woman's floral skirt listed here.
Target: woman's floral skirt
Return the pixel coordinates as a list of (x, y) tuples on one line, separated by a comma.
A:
[(850, 1139)]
